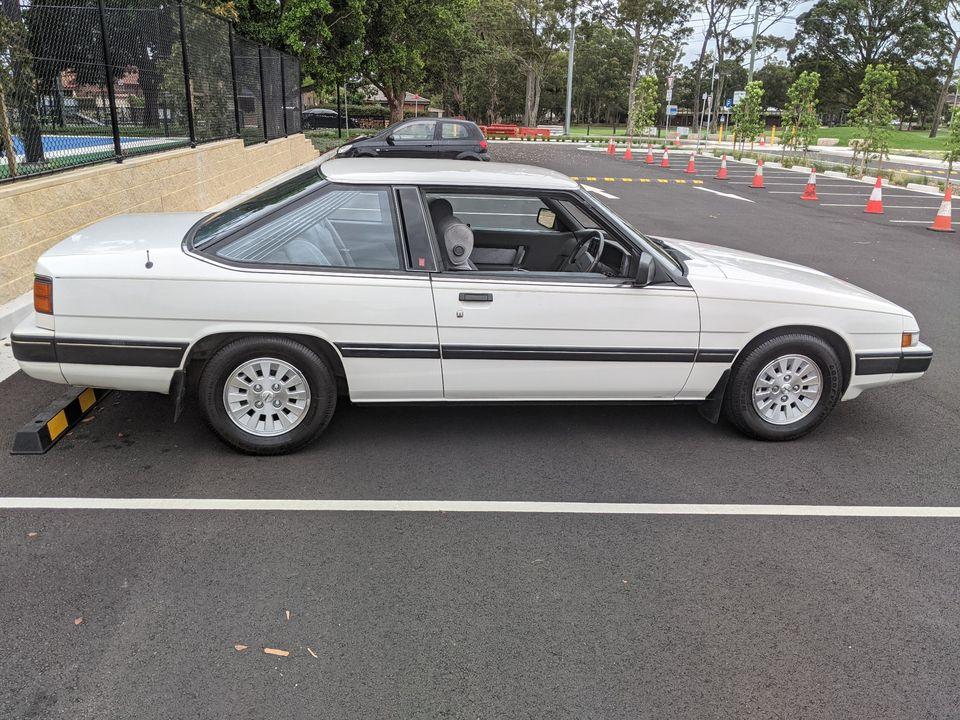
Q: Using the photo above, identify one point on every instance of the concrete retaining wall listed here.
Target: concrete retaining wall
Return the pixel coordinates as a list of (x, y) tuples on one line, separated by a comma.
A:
[(36, 214)]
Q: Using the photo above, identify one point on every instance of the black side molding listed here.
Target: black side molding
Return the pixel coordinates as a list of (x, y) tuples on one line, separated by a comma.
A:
[(93, 351), (881, 363)]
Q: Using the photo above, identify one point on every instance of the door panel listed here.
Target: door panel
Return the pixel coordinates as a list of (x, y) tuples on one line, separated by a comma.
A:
[(532, 339)]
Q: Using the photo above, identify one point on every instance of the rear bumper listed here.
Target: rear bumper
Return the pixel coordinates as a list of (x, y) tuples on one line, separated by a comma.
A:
[(97, 362)]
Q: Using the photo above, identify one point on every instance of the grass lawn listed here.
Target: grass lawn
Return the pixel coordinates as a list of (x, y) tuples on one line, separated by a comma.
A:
[(899, 139)]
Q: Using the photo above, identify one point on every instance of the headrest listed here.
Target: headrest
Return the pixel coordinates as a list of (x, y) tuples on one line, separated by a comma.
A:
[(457, 239), (440, 209)]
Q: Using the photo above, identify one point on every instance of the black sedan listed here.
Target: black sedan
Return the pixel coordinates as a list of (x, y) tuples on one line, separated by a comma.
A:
[(422, 138)]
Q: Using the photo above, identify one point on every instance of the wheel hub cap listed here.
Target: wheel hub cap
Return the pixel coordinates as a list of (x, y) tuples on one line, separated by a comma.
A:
[(787, 389), (266, 397)]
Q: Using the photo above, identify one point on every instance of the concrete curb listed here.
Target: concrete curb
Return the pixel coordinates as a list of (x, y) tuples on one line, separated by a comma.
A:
[(13, 312)]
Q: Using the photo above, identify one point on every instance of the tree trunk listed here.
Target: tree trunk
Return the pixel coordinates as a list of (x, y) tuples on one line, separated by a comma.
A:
[(699, 72), (24, 95), (7, 139), (394, 102), (633, 74), (531, 105), (935, 125)]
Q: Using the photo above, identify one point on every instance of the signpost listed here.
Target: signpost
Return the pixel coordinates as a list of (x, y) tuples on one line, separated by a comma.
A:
[(670, 79)]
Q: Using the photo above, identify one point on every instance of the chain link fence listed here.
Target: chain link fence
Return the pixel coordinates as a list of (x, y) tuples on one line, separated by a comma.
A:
[(86, 81)]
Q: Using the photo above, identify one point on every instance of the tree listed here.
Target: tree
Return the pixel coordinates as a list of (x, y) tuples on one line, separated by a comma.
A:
[(747, 117), (953, 141), (398, 37), (656, 29), (874, 113), (800, 113), (541, 31), (776, 79), (840, 38), (644, 105), (951, 23)]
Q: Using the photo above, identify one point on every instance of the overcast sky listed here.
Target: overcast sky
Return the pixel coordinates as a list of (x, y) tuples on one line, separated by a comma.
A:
[(785, 28)]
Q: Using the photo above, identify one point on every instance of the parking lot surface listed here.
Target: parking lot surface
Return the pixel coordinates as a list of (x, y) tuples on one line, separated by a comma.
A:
[(515, 614)]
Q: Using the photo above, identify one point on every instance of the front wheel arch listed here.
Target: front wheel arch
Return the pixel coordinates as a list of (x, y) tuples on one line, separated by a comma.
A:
[(206, 347), (834, 340)]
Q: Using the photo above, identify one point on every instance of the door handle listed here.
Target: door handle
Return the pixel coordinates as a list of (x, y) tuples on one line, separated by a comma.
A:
[(476, 297)]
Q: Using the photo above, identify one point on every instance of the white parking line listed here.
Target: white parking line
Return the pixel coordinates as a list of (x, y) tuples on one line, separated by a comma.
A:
[(896, 207), (598, 191), (723, 194), (474, 506)]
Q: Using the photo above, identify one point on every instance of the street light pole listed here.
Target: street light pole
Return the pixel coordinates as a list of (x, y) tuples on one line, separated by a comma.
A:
[(573, 39), (753, 42)]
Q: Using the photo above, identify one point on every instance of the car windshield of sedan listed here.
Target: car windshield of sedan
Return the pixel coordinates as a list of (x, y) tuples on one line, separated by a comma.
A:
[(217, 226)]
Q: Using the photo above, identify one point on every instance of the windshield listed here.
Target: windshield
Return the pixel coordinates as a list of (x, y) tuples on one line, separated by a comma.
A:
[(222, 223), (661, 249)]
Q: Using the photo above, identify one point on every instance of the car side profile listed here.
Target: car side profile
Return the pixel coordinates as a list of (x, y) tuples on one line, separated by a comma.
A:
[(439, 281), (422, 138)]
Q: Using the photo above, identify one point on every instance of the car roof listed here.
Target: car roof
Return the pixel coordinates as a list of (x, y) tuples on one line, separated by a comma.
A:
[(403, 171)]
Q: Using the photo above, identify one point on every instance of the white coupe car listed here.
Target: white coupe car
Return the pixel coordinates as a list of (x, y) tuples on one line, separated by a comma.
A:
[(392, 281)]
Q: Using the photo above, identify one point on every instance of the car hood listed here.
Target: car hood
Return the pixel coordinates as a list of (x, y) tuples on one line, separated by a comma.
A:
[(746, 268)]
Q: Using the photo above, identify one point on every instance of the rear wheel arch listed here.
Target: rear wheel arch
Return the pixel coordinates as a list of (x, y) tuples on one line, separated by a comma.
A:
[(204, 348)]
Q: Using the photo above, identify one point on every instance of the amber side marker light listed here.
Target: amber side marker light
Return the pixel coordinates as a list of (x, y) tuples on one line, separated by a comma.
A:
[(909, 339), (43, 295)]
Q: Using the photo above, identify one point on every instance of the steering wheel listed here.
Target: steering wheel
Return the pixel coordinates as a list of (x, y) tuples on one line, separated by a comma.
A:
[(581, 259)]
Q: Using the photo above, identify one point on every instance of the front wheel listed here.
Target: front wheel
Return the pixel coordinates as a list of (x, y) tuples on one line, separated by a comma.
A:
[(267, 396), (783, 388)]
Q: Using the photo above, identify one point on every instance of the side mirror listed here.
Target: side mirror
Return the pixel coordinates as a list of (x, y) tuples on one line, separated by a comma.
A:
[(547, 218), (646, 270), (390, 139)]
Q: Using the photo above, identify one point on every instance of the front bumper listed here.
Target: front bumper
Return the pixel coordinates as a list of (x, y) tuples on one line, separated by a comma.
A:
[(877, 368)]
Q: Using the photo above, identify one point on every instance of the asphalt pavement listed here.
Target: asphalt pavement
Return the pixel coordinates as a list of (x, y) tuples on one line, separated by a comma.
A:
[(513, 615)]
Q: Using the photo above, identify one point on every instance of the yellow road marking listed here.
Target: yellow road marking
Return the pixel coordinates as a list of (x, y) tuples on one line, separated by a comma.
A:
[(644, 179), (57, 424), (574, 177), (698, 182), (87, 399), (591, 179), (627, 179), (662, 180), (681, 181), (606, 179)]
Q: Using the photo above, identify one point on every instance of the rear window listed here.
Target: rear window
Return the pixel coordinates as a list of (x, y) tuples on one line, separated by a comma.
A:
[(454, 131), (224, 222)]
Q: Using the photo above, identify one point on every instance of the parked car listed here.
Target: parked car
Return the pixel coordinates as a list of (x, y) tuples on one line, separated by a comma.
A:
[(385, 281), (321, 118), (422, 138)]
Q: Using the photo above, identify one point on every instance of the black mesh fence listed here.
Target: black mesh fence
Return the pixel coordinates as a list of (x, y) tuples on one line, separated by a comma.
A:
[(246, 60), (291, 90), (84, 81)]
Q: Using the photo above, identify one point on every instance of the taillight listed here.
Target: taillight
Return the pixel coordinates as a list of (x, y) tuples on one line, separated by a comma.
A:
[(43, 294), (483, 144)]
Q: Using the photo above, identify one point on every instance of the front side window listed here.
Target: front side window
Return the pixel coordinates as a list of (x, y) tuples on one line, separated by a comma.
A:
[(421, 130), (340, 228)]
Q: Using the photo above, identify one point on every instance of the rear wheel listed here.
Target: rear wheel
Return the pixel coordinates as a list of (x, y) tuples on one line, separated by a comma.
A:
[(267, 396), (783, 388)]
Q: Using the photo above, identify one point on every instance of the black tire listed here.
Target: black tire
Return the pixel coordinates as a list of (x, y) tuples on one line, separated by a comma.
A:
[(738, 400), (319, 378)]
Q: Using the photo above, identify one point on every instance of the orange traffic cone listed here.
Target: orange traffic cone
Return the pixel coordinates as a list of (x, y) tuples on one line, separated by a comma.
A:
[(722, 172), (628, 155), (875, 203), (665, 160), (758, 176), (611, 147), (649, 154), (942, 222), (810, 191), (691, 168)]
